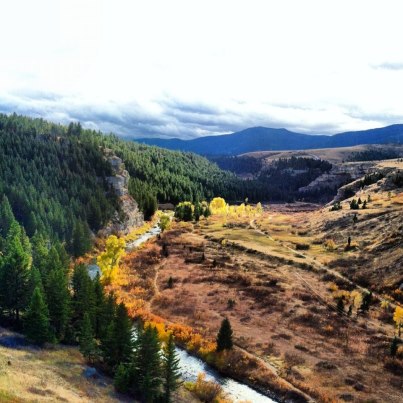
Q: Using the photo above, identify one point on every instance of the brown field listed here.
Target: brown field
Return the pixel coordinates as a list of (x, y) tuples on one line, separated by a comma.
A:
[(55, 374), (277, 279), (333, 155)]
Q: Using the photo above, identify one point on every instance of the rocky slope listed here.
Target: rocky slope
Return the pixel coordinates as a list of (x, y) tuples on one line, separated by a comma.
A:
[(129, 216)]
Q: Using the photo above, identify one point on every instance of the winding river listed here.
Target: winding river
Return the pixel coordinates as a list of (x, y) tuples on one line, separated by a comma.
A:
[(191, 366)]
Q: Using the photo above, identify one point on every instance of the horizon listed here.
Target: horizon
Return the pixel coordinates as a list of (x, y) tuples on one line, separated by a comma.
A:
[(187, 70)]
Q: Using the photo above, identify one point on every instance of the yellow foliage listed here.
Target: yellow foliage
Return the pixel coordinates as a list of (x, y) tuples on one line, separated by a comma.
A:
[(333, 287), (385, 304), (218, 206), (108, 261), (330, 245), (356, 298), (165, 222), (398, 316), (135, 233), (163, 333)]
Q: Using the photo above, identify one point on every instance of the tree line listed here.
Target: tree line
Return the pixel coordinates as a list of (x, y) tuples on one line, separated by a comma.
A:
[(40, 296)]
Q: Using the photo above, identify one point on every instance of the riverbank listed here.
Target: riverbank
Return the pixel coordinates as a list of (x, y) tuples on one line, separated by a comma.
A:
[(140, 288)]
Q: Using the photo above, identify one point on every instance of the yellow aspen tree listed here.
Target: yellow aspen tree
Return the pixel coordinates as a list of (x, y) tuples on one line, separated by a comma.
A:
[(108, 261), (398, 318), (218, 205)]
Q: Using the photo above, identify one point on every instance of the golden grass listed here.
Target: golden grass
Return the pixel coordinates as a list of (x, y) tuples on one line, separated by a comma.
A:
[(40, 375)]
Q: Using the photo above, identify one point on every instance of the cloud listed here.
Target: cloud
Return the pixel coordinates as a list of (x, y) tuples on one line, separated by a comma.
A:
[(389, 66), (169, 117)]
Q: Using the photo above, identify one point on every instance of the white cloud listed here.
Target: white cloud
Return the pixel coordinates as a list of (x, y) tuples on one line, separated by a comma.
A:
[(188, 68)]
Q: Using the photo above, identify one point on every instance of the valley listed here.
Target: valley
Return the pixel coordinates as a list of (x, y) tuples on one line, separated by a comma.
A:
[(310, 280)]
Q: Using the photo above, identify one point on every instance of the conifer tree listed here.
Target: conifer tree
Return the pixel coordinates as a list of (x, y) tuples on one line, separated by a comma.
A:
[(105, 315), (340, 306), (6, 216), (170, 369), (39, 253), (58, 299), (36, 320), (83, 300), (35, 280), (393, 346), (88, 346), (366, 301), (117, 347), (123, 378), (148, 364), (15, 272), (224, 336), (81, 241)]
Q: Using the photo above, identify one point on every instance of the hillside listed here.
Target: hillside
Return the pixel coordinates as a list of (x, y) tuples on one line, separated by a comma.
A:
[(279, 277), (57, 178), (264, 139)]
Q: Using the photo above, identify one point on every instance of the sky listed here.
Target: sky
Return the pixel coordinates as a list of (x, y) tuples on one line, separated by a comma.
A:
[(187, 68)]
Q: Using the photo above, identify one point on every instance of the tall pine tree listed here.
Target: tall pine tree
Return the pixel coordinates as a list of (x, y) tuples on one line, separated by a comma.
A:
[(36, 320), (224, 337), (58, 299), (170, 370), (88, 346), (148, 364), (15, 272)]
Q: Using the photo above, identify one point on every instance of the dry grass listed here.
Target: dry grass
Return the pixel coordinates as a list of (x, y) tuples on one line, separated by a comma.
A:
[(49, 375)]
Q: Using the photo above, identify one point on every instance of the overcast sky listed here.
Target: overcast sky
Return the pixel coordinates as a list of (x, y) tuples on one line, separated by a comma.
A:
[(188, 68)]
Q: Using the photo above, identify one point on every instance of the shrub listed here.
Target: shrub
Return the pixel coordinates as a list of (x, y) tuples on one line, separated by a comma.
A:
[(302, 246), (206, 391), (330, 245), (394, 365)]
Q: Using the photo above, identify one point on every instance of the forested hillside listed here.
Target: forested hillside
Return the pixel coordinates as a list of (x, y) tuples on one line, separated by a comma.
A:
[(54, 176), (54, 182)]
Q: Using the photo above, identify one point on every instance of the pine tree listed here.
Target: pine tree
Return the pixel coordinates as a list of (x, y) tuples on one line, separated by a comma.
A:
[(366, 301), (340, 306), (15, 272), (6, 216), (81, 240), (36, 320), (58, 299), (393, 346), (39, 253), (88, 346), (123, 378), (224, 336), (83, 300), (105, 315), (170, 369), (148, 364), (35, 280), (117, 347)]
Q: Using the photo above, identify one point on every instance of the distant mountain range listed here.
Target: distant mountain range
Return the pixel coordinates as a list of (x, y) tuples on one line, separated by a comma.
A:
[(266, 139)]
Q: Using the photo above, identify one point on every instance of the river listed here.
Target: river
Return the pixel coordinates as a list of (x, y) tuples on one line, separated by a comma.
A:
[(191, 366)]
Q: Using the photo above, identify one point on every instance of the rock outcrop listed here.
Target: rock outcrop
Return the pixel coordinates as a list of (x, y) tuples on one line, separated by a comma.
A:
[(129, 216), (340, 175)]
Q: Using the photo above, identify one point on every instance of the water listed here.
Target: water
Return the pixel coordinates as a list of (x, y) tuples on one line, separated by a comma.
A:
[(191, 367), (151, 233)]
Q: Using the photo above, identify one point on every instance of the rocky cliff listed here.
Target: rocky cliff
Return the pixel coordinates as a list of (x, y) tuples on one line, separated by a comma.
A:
[(339, 175), (129, 216)]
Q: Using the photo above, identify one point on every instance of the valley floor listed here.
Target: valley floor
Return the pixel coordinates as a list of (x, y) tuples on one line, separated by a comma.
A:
[(277, 279)]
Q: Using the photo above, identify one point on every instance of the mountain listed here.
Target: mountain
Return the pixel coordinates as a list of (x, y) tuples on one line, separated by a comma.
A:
[(262, 139)]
